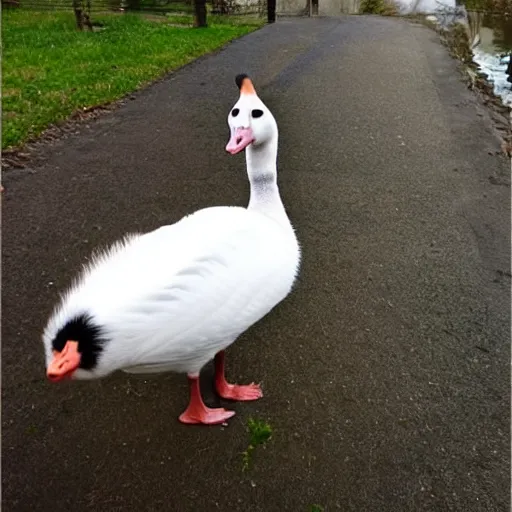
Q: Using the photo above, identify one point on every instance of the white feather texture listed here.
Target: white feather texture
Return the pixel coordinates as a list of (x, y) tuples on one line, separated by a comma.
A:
[(174, 297)]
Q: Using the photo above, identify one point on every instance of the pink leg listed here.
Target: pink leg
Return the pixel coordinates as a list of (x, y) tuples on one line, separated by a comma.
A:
[(197, 412), (233, 391)]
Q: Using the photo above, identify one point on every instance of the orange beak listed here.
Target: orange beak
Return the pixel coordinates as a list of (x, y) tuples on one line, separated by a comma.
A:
[(64, 363), (247, 86)]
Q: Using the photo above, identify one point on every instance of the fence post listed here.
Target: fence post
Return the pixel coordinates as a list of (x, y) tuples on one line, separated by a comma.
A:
[(271, 11), (200, 14)]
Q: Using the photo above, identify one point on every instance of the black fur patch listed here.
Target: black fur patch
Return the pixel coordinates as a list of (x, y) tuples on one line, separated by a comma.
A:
[(239, 79), (90, 339)]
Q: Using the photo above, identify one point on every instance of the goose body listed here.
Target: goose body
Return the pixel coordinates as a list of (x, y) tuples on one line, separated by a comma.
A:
[(177, 297), (172, 298)]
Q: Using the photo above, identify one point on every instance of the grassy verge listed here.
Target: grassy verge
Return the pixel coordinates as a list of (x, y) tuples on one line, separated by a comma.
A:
[(51, 70), (214, 20)]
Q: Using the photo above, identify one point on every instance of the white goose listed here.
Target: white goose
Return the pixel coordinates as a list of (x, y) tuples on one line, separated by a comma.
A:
[(177, 297)]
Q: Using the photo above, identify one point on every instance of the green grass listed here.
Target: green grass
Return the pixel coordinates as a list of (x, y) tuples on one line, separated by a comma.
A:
[(51, 70), (213, 19), (259, 433)]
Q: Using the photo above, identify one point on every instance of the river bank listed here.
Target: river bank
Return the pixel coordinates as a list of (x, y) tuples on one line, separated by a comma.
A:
[(495, 66), (491, 44), (483, 65)]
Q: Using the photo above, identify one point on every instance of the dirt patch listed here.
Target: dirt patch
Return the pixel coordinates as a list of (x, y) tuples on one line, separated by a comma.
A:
[(500, 113)]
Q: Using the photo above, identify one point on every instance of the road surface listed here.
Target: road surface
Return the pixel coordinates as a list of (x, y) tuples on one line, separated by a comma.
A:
[(385, 374)]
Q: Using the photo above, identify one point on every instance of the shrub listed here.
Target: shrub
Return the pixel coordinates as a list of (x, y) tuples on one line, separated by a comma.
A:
[(382, 7)]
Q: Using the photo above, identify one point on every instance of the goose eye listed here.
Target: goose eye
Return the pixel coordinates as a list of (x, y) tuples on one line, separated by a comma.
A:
[(257, 113), (235, 112)]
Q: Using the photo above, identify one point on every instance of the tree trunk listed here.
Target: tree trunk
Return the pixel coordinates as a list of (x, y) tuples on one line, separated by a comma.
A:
[(200, 20)]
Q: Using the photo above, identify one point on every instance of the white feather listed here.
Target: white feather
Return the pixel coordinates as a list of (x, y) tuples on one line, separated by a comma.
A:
[(176, 296)]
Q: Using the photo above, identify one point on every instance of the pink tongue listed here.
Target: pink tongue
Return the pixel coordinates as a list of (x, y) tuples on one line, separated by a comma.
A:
[(240, 140)]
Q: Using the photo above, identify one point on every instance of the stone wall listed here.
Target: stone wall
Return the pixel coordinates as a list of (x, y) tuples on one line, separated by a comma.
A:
[(350, 6), (256, 7), (292, 7), (329, 7), (325, 7)]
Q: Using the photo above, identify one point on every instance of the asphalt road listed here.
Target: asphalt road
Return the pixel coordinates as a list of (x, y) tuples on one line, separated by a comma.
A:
[(385, 374)]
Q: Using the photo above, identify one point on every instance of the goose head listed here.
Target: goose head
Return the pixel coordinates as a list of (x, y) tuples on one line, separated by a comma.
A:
[(250, 122), (73, 345)]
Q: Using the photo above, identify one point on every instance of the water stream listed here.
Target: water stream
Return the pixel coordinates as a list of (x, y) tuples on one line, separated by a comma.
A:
[(490, 34), (492, 51)]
